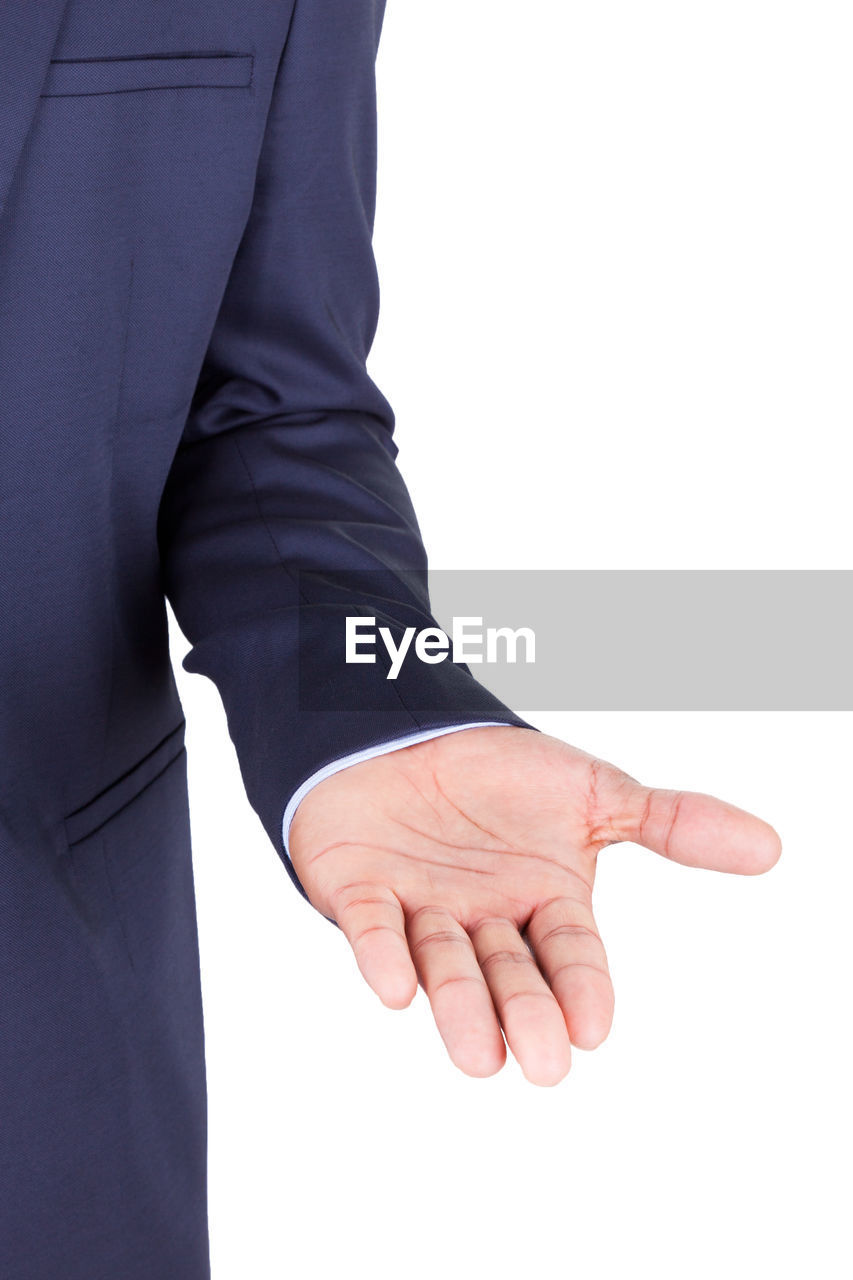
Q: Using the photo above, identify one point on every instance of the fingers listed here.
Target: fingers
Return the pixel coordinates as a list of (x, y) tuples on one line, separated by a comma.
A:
[(457, 991), (531, 1018), (571, 955), (487, 983), (372, 919), (696, 830)]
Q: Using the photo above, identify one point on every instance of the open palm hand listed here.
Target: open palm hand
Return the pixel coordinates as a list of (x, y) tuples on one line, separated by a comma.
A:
[(466, 864)]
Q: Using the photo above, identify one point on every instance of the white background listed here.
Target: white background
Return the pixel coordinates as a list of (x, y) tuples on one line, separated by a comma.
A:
[(617, 301)]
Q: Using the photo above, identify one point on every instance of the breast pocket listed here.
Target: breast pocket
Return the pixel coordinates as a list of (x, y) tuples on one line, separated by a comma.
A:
[(82, 77)]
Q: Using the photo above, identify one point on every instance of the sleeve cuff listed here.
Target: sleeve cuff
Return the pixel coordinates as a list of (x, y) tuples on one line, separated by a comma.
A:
[(366, 753)]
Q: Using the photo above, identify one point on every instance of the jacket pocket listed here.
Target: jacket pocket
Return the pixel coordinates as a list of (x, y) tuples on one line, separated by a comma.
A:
[(83, 76), (127, 870), (98, 811)]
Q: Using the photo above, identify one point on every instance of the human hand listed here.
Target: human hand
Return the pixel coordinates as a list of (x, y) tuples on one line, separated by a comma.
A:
[(466, 864)]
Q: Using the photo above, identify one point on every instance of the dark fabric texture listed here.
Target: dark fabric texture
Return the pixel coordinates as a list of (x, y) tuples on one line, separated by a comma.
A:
[(188, 296)]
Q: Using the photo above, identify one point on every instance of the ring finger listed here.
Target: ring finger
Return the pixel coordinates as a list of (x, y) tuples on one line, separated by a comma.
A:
[(530, 1016)]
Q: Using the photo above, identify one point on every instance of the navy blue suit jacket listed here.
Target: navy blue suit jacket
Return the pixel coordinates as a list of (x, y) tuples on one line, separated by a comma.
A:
[(188, 295)]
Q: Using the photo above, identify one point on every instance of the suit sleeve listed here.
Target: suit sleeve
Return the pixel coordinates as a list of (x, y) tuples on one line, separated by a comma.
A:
[(284, 510)]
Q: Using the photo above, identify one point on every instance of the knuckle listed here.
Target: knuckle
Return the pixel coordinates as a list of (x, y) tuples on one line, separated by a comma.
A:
[(438, 937), (427, 910), (607, 790), (560, 913), (526, 994), (505, 956), (494, 921), (568, 931), (374, 928), (357, 892), (580, 964), (454, 980)]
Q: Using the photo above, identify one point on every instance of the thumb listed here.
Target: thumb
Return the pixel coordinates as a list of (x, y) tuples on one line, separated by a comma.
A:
[(696, 830)]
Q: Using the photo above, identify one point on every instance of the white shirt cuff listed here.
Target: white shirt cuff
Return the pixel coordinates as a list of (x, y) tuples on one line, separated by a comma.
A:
[(367, 753)]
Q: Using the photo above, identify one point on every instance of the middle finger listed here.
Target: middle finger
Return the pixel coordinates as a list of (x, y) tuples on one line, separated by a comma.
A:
[(531, 1018)]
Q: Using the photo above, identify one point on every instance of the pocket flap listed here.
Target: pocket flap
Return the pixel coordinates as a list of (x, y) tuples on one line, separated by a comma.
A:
[(78, 77), (89, 817)]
